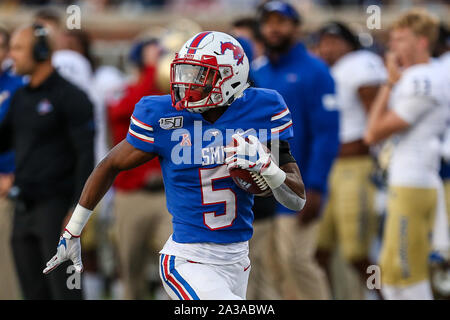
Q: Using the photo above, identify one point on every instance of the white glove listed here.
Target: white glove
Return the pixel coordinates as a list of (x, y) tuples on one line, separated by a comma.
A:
[(252, 156), (249, 155), (69, 248)]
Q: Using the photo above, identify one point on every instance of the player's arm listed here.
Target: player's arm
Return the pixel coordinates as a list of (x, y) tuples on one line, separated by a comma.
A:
[(291, 193), (122, 157), (383, 122)]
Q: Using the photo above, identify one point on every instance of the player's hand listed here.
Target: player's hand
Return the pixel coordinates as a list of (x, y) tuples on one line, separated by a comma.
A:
[(249, 155), (311, 211), (393, 67), (69, 248)]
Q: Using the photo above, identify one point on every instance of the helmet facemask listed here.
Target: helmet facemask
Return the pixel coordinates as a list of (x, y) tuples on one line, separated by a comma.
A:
[(196, 85)]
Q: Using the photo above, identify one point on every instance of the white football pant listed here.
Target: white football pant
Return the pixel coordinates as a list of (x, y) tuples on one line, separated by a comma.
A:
[(187, 280)]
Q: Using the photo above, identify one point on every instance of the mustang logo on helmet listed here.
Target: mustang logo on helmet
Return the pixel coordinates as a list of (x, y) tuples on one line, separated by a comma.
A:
[(238, 53)]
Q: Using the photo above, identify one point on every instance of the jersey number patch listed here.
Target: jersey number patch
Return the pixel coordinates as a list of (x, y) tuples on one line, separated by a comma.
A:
[(210, 195)]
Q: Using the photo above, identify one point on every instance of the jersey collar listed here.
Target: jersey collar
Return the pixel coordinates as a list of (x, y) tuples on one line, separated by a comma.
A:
[(232, 112), (47, 83)]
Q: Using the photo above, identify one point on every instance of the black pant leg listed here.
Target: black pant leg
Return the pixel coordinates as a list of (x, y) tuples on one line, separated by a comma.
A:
[(27, 258), (50, 215)]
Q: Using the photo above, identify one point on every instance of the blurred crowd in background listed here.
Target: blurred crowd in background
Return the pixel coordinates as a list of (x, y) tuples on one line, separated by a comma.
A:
[(118, 60), (168, 3)]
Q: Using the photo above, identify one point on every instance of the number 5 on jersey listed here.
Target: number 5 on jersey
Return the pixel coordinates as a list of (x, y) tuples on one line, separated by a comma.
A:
[(210, 195)]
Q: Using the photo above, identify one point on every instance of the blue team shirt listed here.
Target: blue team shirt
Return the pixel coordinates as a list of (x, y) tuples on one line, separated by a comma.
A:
[(9, 83), (206, 205), (306, 85)]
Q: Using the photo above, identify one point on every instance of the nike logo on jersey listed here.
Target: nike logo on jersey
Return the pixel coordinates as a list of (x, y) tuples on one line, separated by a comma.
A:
[(246, 268)]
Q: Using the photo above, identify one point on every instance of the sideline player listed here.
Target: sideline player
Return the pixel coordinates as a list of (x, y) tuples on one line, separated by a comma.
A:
[(207, 255), (410, 108), (349, 217)]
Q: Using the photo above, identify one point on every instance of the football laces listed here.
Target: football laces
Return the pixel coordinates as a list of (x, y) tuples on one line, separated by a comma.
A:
[(259, 180)]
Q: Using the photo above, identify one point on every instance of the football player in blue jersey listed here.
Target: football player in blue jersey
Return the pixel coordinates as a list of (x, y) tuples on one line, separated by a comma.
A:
[(191, 130)]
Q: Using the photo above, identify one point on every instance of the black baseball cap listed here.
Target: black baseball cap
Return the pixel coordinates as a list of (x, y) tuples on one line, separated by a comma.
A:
[(339, 29)]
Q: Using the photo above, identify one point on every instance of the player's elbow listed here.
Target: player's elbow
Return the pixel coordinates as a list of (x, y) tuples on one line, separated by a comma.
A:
[(374, 134), (369, 138), (108, 165), (301, 201), (288, 198)]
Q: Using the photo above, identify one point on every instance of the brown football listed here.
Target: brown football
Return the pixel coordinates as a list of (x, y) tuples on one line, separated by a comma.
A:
[(250, 181)]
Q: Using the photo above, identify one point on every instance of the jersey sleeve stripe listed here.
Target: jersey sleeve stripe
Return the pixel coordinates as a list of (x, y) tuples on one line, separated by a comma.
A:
[(140, 136), (280, 115), (141, 124), (282, 127)]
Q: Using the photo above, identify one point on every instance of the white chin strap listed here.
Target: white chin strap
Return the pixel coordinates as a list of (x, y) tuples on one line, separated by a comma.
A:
[(240, 92)]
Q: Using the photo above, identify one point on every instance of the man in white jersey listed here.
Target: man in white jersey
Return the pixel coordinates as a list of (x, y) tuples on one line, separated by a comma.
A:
[(410, 110), (349, 219)]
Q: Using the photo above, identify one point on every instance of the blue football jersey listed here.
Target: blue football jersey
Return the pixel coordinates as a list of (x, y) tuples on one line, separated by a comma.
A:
[(206, 205)]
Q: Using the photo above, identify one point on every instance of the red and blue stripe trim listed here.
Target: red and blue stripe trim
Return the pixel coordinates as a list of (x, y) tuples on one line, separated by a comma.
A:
[(175, 281), (196, 42)]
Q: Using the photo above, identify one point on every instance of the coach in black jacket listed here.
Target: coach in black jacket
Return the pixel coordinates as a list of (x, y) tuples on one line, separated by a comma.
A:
[(50, 127)]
